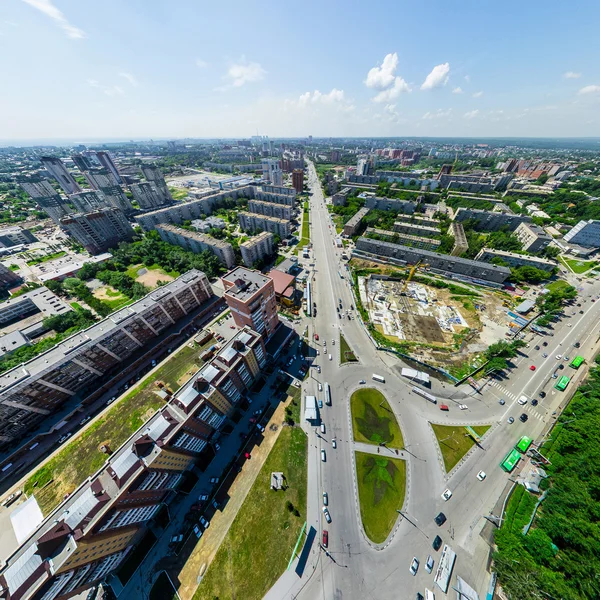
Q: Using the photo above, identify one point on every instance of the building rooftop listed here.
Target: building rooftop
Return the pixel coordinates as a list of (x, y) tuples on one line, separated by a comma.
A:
[(518, 256), (258, 216), (245, 282), (194, 235), (67, 265), (284, 283)]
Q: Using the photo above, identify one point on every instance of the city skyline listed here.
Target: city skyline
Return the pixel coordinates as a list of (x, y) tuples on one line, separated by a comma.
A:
[(439, 70)]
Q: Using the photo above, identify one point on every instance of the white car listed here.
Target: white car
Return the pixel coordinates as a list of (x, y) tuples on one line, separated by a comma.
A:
[(414, 566), (327, 515), (320, 387), (463, 406), (325, 499), (558, 356), (334, 443), (481, 475), (429, 564), (204, 522), (522, 400), (333, 342), (322, 427), (446, 495), (323, 455)]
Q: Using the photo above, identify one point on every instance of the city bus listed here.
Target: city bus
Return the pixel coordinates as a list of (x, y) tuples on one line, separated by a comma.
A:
[(562, 384), (327, 394), (510, 460), (378, 378), (523, 444), (577, 362), (425, 394)]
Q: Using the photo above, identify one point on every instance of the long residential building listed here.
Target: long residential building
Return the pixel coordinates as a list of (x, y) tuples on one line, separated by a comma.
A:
[(461, 244), (56, 167), (403, 206), (417, 229), (99, 230), (197, 242), (402, 238), (279, 211), (85, 539), (254, 223), (516, 260), (485, 220), (351, 227), (450, 266), (257, 248), (41, 386), (418, 220)]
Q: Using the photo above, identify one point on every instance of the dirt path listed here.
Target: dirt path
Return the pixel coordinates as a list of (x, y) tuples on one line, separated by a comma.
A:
[(213, 537)]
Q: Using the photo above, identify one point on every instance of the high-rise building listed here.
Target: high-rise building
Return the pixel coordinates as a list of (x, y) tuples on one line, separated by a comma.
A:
[(7, 277), (251, 297), (256, 248), (532, 237), (270, 209), (147, 195), (272, 171), (106, 161), (57, 169), (88, 201), (99, 230), (362, 166), (83, 163), (45, 195), (103, 180), (254, 222), (298, 180), (154, 175)]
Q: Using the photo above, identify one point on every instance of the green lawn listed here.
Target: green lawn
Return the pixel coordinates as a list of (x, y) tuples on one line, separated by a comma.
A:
[(373, 421), (381, 488), (260, 541), (455, 442), (76, 305), (178, 193), (346, 354), (557, 285), (43, 259), (305, 237), (81, 457), (579, 266), (132, 271)]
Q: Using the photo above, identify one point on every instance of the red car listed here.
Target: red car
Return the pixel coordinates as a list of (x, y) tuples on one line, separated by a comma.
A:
[(252, 420), (325, 538), (444, 407), (532, 368), (317, 336), (247, 455)]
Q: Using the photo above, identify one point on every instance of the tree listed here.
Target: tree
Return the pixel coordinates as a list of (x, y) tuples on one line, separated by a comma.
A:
[(496, 364), (551, 252)]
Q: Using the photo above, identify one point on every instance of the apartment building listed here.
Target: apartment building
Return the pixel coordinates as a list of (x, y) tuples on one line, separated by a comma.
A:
[(104, 181), (253, 222), (56, 167), (532, 237), (585, 233), (45, 195), (89, 201), (298, 180), (197, 242), (148, 196), (274, 194), (485, 220), (270, 209), (251, 297), (449, 266), (340, 198), (90, 534), (401, 238), (417, 229), (8, 278), (99, 230), (14, 236), (403, 206), (418, 220), (39, 387), (106, 161), (272, 171), (257, 248), (516, 260), (154, 175), (351, 227), (461, 245)]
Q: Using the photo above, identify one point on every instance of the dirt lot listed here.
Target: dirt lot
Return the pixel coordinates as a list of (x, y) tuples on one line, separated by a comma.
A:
[(151, 278)]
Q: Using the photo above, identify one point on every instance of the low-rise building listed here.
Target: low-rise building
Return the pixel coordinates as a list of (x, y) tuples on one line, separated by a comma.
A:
[(585, 233), (417, 229), (197, 242), (351, 227), (205, 225), (403, 206), (257, 248), (516, 260), (14, 236), (532, 237), (285, 287), (418, 220), (8, 278), (254, 223), (461, 244)]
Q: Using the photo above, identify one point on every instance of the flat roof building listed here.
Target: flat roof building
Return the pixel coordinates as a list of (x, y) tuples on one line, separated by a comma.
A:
[(45, 195), (351, 227), (516, 260), (254, 223), (59, 171), (257, 248), (585, 233), (461, 244), (340, 198), (298, 180), (485, 220), (14, 236), (403, 238), (532, 237)]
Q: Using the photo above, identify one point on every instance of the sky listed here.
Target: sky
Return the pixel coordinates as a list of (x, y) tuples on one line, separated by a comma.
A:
[(139, 69)]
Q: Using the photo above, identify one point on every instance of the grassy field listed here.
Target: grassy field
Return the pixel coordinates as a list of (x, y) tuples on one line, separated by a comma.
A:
[(48, 257), (455, 442), (346, 354), (373, 421), (259, 544), (557, 285), (132, 271), (111, 297), (579, 266), (305, 237), (81, 457), (381, 488), (178, 193)]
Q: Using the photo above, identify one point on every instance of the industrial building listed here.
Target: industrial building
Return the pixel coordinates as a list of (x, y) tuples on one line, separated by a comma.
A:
[(253, 223), (39, 387), (197, 242), (532, 237), (90, 534), (585, 233), (351, 227), (485, 220), (475, 271), (516, 260), (251, 297), (257, 248)]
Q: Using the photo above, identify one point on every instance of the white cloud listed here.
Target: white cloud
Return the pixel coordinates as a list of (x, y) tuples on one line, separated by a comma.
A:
[(589, 89), (572, 75), (316, 97), (438, 114), (468, 78), (400, 87), (457, 90), (109, 90), (245, 72), (46, 7), (437, 78), (201, 64), (132, 80), (471, 114), (383, 77), (477, 94)]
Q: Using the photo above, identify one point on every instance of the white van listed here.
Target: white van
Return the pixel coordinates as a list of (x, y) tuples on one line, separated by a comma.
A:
[(322, 427), (330, 357), (429, 595)]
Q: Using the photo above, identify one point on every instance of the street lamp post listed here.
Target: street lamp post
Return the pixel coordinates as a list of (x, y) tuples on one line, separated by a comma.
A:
[(411, 522)]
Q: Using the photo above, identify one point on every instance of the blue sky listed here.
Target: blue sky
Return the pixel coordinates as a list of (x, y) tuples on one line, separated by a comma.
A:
[(86, 70)]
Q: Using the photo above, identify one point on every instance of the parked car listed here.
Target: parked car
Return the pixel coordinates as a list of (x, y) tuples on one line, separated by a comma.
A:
[(414, 566), (440, 519), (323, 458), (481, 475), (320, 387), (260, 427), (444, 407), (334, 443), (325, 499), (64, 438), (362, 382), (204, 522), (534, 402), (322, 427), (85, 420), (446, 495), (437, 543), (198, 532), (542, 394), (320, 403), (429, 564), (214, 480), (463, 406), (327, 515), (510, 420), (523, 417)]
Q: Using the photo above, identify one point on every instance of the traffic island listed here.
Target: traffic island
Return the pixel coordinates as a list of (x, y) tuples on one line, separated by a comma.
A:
[(346, 354), (381, 488), (373, 421), (455, 442)]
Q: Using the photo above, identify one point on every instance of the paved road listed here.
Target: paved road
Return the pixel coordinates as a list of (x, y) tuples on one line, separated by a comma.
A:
[(355, 567)]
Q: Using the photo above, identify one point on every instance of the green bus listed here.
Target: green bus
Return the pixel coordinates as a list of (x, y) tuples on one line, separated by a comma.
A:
[(510, 460), (577, 362), (523, 444), (563, 382)]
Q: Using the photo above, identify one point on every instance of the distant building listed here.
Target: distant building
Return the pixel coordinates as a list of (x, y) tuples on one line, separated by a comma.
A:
[(45, 195), (103, 181), (485, 220), (257, 248), (148, 196), (57, 169), (197, 242), (154, 175), (298, 180), (105, 159), (251, 297), (516, 260), (351, 227), (340, 198), (8, 278), (532, 237), (461, 245), (272, 171), (254, 222), (13, 236), (99, 230), (585, 233), (362, 166)]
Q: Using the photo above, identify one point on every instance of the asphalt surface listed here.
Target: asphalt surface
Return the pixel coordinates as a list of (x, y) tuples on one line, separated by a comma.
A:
[(354, 567)]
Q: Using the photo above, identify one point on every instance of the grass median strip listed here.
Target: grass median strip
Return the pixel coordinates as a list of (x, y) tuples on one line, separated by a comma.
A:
[(381, 488), (455, 442), (346, 354), (373, 421)]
